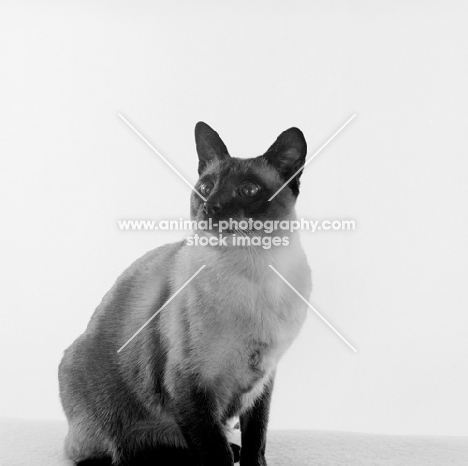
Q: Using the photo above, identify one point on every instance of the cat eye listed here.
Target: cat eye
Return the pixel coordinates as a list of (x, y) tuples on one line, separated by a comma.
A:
[(248, 189), (206, 188)]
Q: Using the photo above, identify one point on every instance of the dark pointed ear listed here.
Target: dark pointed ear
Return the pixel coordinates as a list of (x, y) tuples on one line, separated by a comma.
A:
[(287, 155), (210, 147)]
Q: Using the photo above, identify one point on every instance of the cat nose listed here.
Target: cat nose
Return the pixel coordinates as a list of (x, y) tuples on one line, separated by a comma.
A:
[(211, 208)]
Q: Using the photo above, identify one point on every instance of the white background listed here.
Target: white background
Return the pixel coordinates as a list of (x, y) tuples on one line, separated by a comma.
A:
[(70, 168)]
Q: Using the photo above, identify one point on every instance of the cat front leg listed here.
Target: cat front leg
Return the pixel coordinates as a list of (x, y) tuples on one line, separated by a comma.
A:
[(253, 424), (196, 414)]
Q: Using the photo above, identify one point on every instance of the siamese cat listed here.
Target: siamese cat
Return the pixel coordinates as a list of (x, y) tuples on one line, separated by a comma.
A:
[(211, 354)]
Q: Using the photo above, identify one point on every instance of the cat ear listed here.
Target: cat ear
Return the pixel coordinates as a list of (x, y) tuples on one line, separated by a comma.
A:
[(210, 147), (287, 154)]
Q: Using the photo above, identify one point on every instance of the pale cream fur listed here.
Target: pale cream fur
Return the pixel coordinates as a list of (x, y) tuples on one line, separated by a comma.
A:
[(250, 304)]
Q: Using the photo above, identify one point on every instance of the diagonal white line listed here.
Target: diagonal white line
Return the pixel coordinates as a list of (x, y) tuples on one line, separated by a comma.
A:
[(313, 308), (160, 155), (311, 158), (162, 307)]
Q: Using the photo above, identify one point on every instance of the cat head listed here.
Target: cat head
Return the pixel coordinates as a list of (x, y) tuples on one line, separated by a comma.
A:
[(241, 188)]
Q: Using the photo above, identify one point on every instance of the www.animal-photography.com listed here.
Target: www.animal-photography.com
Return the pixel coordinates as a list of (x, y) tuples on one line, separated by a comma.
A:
[(234, 233)]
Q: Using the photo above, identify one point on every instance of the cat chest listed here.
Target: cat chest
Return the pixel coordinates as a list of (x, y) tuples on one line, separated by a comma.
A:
[(247, 317), (245, 334)]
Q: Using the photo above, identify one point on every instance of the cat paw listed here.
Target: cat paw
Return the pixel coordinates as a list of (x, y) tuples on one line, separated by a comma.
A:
[(258, 461), (235, 451)]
